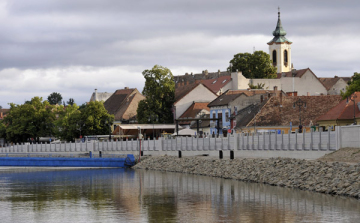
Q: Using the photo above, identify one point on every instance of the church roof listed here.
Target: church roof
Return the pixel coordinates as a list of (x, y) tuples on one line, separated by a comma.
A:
[(279, 33)]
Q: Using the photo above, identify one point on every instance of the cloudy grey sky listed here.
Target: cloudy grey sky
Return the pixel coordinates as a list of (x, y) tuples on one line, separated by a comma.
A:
[(73, 47)]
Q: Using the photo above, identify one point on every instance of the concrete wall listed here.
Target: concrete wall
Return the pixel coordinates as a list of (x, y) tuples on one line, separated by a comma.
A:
[(309, 145), (348, 136)]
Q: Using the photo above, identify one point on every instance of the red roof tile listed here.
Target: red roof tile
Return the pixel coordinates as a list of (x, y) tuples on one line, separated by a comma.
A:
[(280, 112), (344, 110)]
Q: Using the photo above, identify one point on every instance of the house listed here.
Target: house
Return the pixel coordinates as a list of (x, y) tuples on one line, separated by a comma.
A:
[(227, 105), (196, 110), (288, 113), (334, 85), (100, 96), (347, 112), (187, 94), (3, 113), (123, 104)]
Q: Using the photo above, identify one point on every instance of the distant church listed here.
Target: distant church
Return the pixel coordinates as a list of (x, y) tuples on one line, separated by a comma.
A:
[(280, 49), (291, 81)]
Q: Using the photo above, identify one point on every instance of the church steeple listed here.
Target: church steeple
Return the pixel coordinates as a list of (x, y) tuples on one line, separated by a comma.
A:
[(279, 33), (280, 48)]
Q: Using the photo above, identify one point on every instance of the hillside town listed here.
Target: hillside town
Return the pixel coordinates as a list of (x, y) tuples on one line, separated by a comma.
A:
[(216, 103)]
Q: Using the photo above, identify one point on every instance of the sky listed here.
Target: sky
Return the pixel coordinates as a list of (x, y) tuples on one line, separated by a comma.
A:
[(72, 47)]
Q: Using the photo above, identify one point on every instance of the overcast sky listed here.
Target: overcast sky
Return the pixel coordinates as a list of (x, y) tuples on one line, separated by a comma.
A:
[(72, 47)]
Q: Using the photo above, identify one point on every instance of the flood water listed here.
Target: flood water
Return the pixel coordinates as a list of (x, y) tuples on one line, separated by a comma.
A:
[(125, 195)]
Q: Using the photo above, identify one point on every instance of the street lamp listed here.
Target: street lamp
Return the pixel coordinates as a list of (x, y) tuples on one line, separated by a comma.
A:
[(80, 125), (255, 113), (151, 118), (352, 98), (300, 103)]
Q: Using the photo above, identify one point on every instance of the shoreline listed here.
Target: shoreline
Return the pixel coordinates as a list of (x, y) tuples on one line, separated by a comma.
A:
[(335, 178)]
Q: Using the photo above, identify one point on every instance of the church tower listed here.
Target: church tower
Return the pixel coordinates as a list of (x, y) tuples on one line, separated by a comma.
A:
[(280, 49)]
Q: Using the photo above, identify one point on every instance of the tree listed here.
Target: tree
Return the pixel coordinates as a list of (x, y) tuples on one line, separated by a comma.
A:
[(70, 101), (30, 120), (256, 65), (354, 86), (55, 98), (258, 86), (159, 91), (66, 124), (95, 119), (0, 107)]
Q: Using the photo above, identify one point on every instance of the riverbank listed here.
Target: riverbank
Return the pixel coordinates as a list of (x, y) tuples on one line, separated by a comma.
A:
[(335, 178)]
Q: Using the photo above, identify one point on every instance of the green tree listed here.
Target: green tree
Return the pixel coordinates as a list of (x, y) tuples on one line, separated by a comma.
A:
[(256, 65), (30, 120), (55, 98), (95, 119), (66, 124), (159, 91), (258, 86), (354, 86), (0, 107), (70, 101)]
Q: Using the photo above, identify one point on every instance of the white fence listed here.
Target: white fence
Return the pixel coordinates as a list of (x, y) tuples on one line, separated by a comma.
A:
[(309, 145)]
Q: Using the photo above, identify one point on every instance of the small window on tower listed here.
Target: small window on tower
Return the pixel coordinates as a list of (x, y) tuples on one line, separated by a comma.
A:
[(274, 57), (285, 58)]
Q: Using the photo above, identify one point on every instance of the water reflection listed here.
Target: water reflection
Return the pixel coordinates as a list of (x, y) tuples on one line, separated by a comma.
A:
[(119, 195)]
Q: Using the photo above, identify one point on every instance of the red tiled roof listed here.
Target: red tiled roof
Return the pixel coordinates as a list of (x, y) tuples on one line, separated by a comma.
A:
[(182, 91), (120, 102), (329, 82), (280, 111), (231, 95), (194, 110), (3, 112), (298, 73), (216, 84), (344, 110)]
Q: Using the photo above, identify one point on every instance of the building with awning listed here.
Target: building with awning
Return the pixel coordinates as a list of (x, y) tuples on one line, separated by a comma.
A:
[(147, 130)]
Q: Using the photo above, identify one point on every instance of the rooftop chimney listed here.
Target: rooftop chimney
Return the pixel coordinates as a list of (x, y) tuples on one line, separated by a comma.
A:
[(126, 88), (275, 91), (95, 95)]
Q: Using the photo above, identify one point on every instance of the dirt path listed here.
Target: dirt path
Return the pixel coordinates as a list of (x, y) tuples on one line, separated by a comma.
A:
[(346, 155)]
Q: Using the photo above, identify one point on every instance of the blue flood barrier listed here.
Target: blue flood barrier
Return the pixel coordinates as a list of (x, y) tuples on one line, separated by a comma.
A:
[(127, 161)]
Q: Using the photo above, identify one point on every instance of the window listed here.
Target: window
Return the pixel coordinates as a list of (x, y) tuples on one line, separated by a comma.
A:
[(227, 116), (220, 121), (224, 81), (274, 57), (285, 58)]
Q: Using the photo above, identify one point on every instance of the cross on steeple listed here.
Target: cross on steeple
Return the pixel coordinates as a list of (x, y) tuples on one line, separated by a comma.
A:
[(279, 12)]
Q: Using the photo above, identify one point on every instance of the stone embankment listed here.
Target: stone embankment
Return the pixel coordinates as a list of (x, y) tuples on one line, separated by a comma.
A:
[(324, 177)]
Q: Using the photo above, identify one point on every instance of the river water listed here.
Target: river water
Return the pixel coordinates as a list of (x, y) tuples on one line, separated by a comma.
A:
[(125, 195)]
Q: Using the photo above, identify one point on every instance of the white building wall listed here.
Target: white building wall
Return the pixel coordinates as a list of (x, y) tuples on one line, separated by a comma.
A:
[(239, 82), (269, 83), (308, 83), (198, 94), (339, 86)]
